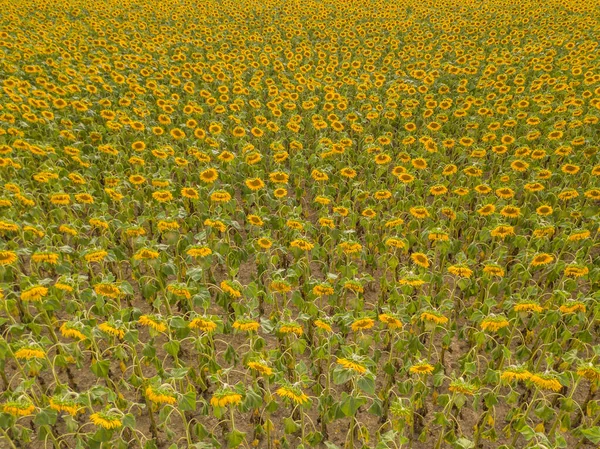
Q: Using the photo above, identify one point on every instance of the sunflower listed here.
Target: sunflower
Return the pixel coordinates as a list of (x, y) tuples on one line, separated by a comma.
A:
[(544, 210), (254, 184), (18, 408), (294, 224), (510, 211), (323, 290), (398, 170), (494, 323), (7, 257), (570, 169), (229, 288), (575, 270), (406, 178), (293, 393), (486, 210), (542, 259), (323, 325), (534, 187), (568, 194), (280, 193), (279, 177), (546, 381), (161, 395), (590, 372), (64, 405), (152, 322), (433, 317), (190, 193), (382, 159), (146, 254), (421, 368), (419, 212), (438, 190), (220, 196), (226, 156), (420, 259), (246, 325), (60, 199), (209, 175), (544, 232), (460, 386), (350, 247), (351, 365), (30, 353), (137, 179), (579, 235), (108, 290), (515, 373), (255, 220), (362, 324), (460, 270), (519, 165), (449, 169), (282, 286), (494, 270), (391, 321), (112, 330), (35, 293), (290, 328), (203, 324), (527, 306), (264, 243), (505, 193), (162, 196), (368, 213), (348, 172), (573, 307), (260, 367), (319, 175)]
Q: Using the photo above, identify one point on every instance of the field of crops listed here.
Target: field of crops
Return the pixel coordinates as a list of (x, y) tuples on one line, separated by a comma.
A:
[(294, 224)]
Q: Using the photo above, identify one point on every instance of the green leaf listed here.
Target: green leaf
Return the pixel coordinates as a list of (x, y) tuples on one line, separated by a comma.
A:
[(129, 421), (527, 432), (6, 420), (187, 401), (235, 438), (443, 399), (178, 323), (252, 400), (168, 269), (464, 443), (367, 384), (376, 408), (172, 348), (341, 375), (230, 355), (272, 406), (150, 444), (350, 404), (46, 417), (329, 445), (126, 288), (544, 412), (178, 373), (592, 434), (314, 438), (100, 368), (290, 426)]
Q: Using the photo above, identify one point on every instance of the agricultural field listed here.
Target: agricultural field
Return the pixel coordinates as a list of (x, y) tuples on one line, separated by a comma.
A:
[(291, 224)]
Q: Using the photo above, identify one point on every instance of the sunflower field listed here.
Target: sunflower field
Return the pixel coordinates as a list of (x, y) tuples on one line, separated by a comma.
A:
[(292, 224)]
